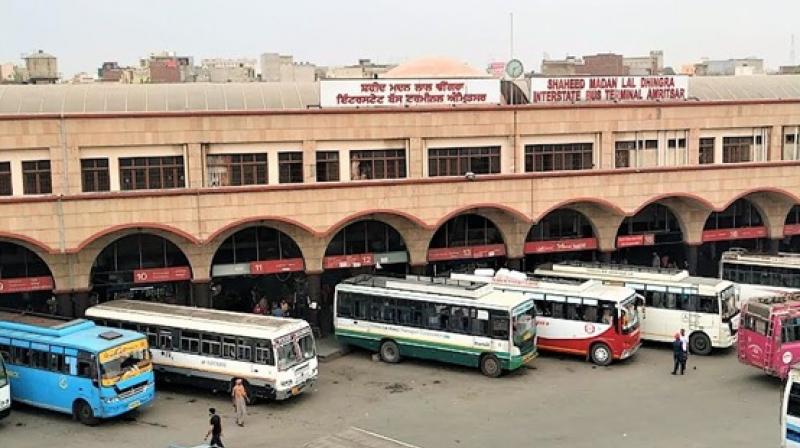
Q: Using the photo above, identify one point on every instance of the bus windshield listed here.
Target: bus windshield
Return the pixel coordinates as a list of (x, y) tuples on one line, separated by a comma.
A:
[(295, 350), (728, 303), (524, 324), (629, 315), (3, 375), (124, 361)]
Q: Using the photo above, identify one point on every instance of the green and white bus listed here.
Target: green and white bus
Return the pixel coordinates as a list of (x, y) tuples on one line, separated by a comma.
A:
[(455, 321)]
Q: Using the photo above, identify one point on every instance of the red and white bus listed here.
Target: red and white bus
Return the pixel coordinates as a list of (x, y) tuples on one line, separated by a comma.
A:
[(585, 318), (769, 334)]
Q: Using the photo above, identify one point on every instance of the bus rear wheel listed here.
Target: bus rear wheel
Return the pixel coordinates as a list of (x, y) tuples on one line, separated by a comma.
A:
[(700, 344), (490, 366), (600, 354), (390, 352), (84, 413)]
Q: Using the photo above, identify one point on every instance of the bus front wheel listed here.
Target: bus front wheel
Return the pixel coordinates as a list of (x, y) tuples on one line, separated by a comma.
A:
[(84, 413), (390, 352), (490, 366), (600, 354), (700, 344)]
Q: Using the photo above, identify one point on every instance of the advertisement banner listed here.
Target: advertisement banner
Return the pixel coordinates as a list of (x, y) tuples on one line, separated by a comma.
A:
[(791, 229), (276, 266), (348, 261), (407, 92), (469, 252), (575, 89), (647, 239), (743, 233), (25, 284), (569, 245)]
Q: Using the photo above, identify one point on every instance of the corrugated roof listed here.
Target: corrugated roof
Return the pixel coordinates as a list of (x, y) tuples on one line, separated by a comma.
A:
[(190, 97), (100, 98)]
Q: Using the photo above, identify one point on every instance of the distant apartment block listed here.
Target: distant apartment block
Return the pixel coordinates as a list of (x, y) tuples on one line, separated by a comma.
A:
[(227, 70), (282, 68), (605, 64), (730, 67)]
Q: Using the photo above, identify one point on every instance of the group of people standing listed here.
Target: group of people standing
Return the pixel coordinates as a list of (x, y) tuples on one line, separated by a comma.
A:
[(279, 309), (680, 352)]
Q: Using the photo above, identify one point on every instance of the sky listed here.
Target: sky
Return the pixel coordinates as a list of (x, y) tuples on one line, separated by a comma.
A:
[(83, 33)]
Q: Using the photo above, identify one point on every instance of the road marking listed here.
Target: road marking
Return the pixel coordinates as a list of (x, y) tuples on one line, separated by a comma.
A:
[(388, 439)]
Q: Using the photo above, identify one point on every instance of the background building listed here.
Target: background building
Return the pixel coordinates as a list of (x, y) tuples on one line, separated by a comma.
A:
[(282, 68), (167, 67), (609, 64), (42, 68), (730, 67), (227, 70), (364, 69)]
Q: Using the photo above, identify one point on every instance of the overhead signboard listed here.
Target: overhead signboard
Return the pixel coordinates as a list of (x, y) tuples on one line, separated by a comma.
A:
[(647, 239), (573, 89), (468, 252), (25, 284), (407, 92), (566, 245), (742, 233), (162, 275)]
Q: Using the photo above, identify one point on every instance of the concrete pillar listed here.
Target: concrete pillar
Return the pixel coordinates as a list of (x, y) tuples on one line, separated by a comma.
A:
[(514, 263), (691, 258), (201, 293), (775, 143), (417, 270), (322, 316), (693, 147), (195, 165), (64, 304), (416, 158), (80, 301), (773, 246), (605, 257), (310, 161), (607, 155)]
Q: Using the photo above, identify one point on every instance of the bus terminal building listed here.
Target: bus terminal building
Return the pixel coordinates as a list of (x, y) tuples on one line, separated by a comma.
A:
[(217, 194)]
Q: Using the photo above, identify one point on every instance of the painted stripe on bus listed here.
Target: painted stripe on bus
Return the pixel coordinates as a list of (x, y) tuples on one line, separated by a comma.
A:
[(423, 343)]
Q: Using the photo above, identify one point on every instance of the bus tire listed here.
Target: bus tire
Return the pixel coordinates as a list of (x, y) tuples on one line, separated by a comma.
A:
[(83, 412), (600, 354), (390, 352), (700, 344), (490, 366)]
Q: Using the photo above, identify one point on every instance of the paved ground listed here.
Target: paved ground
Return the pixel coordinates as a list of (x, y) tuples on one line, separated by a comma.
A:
[(562, 402)]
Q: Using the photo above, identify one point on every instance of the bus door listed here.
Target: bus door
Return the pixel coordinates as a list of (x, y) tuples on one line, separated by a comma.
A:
[(656, 316), (753, 344), (82, 381), (482, 339)]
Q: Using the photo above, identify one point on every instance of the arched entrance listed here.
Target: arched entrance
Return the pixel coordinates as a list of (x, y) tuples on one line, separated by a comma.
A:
[(25, 280), (791, 231), (740, 225), (258, 263), (653, 232), (563, 234), (464, 243), (142, 266)]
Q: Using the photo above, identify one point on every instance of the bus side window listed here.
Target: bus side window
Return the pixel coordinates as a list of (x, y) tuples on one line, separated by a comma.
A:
[(387, 310), (479, 322), (793, 408), (590, 313), (57, 363), (557, 309), (359, 306), (210, 345), (165, 339), (760, 326), (244, 349), (5, 352), (85, 365), (20, 356), (499, 325), (459, 319), (152, 335), (344, 304), (229, 348), (264, 353), (190, 342), (39, 360)]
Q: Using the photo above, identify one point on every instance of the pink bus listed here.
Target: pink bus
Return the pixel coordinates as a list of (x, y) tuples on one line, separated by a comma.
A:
[(769, 334)]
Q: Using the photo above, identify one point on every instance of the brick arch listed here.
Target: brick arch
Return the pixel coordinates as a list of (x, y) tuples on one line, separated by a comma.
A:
[(507, 235), (693, 199), (581, 212), (300, 234), (376, 214), (476, 209), (164, 230), (778, 194), (773, 204), (32, 244), (574, 202), (689, 209)]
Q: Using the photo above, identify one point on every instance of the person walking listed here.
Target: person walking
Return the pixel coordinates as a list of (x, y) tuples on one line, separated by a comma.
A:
[(684, 346), (215, 431), (678, 355), (240, 401)]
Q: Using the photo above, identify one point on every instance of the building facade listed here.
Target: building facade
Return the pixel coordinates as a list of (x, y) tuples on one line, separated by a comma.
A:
[(215, 205)]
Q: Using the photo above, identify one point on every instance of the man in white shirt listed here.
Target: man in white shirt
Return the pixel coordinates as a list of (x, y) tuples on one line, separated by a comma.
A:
[(684, 343)]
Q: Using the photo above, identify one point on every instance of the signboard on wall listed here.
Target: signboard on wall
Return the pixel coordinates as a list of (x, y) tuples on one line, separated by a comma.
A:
[(647, 239), (791, 229), (25, 284), (462, 253), (568, 245), (742, 233), (573, 89), (265, 267), (162, 275), (407, 92)]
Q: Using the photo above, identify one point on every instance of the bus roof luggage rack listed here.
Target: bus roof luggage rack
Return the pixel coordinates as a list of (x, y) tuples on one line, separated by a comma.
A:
[(677, 274), (420, 283), (745, 255), (764, 306)]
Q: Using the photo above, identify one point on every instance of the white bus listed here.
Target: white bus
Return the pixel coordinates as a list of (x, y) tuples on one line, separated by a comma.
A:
[(459, 322), (276, 357), (5, 391), (761, 275), (705, 307), (586, 318), (790, 411)]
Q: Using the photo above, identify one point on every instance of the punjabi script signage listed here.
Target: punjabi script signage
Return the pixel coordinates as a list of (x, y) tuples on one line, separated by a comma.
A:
[(567, 245), (571, 89), (25, 284), (407, 92), (742, 233)]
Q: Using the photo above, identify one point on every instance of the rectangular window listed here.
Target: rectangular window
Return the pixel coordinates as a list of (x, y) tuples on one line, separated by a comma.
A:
[(558, 157), (236, 169), (264, 352), (290, 167), (94, 175), (460, 161), (36, 177), (211, 345), (622, 153), (378, 164), (499, 325), (5, 179), (327, 166), (706, 150), (736, 149), (151, 173), (190, 342), (244, 349)]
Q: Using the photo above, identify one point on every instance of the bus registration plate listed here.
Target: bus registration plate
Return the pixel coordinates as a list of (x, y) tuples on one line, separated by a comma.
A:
[(134, 404)]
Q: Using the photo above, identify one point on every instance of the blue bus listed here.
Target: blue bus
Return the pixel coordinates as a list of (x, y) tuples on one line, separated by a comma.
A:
[(75, 367)]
